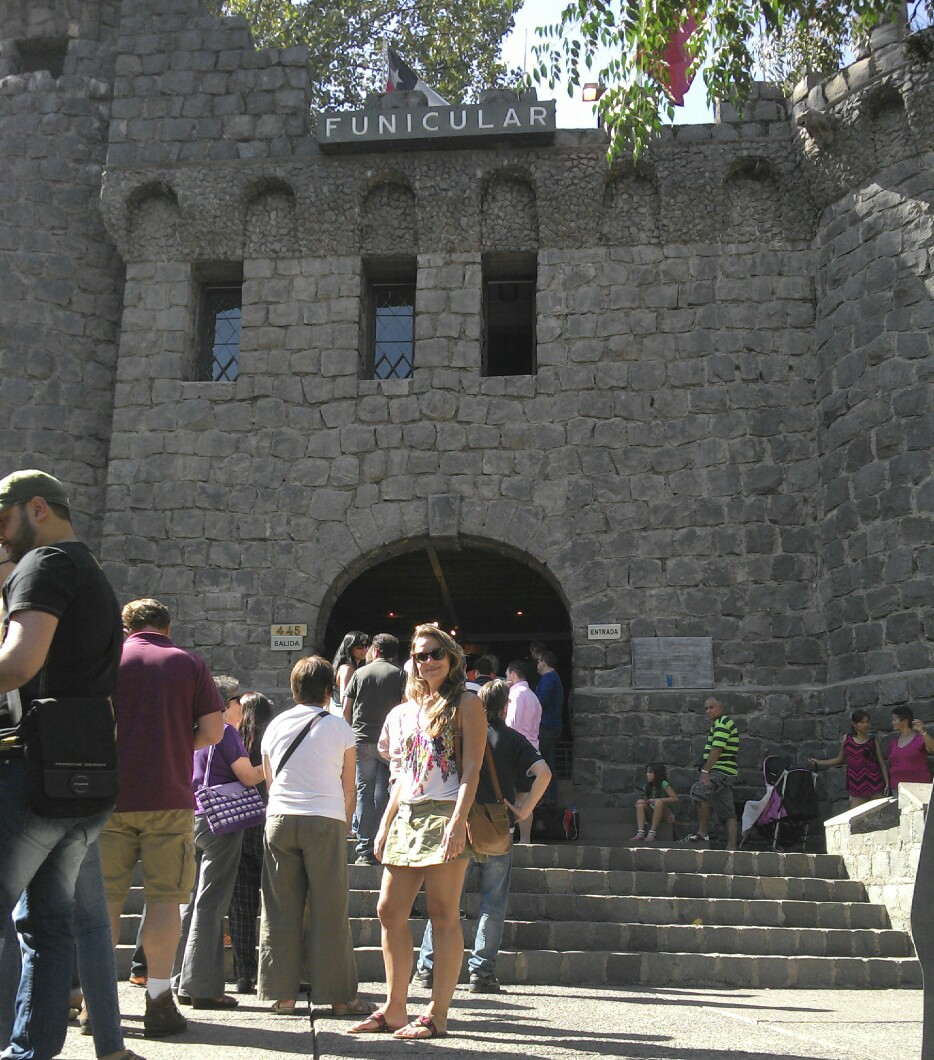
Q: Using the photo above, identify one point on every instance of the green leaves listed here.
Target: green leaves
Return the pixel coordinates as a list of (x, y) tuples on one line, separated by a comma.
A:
[(455, 47), (623, 41)]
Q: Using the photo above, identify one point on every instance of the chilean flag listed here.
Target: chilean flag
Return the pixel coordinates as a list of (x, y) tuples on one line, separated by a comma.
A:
[(670, 69), (403, 78)]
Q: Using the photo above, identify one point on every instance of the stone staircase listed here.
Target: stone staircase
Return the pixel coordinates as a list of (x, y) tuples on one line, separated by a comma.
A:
[(662, 917)]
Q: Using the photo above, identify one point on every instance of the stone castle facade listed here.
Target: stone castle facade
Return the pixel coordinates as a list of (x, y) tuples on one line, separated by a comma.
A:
[(727, 432)]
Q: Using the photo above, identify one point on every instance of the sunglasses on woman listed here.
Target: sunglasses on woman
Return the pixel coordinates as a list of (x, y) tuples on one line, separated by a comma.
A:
[(436, 653)]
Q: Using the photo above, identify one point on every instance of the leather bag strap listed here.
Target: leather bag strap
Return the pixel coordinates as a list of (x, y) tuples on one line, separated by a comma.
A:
[(487, 758)]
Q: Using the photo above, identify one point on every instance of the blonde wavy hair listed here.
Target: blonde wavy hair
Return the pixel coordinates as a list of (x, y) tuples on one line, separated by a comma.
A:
[(442, 709)]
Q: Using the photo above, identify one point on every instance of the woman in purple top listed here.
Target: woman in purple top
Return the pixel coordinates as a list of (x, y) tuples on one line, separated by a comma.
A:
[(908, 750), (199, 980)]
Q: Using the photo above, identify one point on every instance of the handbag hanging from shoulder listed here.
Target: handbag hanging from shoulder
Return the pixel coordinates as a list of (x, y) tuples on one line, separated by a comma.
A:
[(489, 826), (234, 807), (229, 807), (71, 756)]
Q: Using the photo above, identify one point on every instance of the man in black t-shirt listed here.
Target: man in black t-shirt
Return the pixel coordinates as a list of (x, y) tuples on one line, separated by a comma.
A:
[(514, 758), (373, 691), (60, 630)]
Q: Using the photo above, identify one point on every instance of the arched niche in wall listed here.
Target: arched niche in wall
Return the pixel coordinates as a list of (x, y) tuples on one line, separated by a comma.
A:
[(630, 207), (508, 212), (753, 200), (389, 218), (270, 227), (154, 222), (883, 112)]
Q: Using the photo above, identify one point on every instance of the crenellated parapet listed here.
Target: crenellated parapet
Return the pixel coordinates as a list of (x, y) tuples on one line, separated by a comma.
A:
[(869, 115)]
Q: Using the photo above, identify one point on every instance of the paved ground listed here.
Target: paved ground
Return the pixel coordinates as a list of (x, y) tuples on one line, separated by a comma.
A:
[(551, 1023)]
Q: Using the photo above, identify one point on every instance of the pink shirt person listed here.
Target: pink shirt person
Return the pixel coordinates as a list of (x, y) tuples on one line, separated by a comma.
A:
[(523, 711)]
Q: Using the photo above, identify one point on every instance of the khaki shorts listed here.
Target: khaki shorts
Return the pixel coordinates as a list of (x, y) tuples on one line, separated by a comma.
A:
[(417, 833), (163, 840)]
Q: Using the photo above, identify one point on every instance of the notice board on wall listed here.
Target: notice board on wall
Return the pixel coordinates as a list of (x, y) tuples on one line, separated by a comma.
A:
[(672, 662)]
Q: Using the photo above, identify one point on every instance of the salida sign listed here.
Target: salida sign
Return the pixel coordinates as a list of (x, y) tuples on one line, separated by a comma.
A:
[(419, 127)]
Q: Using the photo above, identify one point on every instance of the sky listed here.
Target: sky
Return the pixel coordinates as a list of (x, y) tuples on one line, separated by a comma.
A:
[(573, 113)]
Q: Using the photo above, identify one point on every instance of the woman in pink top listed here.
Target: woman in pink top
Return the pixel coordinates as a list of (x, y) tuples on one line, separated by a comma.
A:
[(908, 751)]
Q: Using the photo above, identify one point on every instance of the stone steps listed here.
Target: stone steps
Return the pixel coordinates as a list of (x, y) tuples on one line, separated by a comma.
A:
[(658, 970), (603, 826), (569, 935), (663, 916), (676, 885)]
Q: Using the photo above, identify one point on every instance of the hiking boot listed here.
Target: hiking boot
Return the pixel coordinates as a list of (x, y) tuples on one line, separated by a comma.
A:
[(484, 984), (162, 1017), (424, 977)]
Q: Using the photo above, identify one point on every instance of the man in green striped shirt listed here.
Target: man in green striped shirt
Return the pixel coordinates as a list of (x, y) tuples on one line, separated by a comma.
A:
[(714, 788)]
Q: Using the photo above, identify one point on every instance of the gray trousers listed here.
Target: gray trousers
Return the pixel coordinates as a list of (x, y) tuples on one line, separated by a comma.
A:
[(199, 964), (306, 858)]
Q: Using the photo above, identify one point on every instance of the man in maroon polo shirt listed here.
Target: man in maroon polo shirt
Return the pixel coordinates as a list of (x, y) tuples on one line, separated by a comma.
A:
[(167, 705)]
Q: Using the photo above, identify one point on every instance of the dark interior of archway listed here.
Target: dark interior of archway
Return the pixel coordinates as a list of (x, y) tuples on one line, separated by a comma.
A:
[(494, 603)]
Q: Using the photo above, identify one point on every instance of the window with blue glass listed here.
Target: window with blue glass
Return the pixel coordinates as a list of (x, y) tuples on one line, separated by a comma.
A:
[(392, 329), (221, 305)]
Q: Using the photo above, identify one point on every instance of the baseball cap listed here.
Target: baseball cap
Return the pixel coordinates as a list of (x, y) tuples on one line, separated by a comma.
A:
[(22, 486)]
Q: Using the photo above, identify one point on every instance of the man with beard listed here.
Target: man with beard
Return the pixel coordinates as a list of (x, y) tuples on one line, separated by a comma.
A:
[(61, 630)]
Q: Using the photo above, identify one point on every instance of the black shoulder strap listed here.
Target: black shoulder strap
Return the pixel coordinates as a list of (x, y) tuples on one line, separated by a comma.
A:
[(293, 746)]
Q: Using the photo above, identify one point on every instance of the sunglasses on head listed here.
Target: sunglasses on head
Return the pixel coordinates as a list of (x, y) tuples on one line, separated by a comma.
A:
[(436, 653)]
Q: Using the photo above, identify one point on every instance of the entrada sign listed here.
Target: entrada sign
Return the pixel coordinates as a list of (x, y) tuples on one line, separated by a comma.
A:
[(377, 129)]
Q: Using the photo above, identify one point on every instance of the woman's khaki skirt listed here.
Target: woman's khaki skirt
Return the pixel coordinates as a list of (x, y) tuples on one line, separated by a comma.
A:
[(417, 833)]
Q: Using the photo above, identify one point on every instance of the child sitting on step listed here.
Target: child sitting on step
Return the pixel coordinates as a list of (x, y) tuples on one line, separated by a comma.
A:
[(659, 797)]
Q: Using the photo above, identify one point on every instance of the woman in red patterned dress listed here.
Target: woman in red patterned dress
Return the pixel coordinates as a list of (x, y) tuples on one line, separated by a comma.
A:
[(867, 775)]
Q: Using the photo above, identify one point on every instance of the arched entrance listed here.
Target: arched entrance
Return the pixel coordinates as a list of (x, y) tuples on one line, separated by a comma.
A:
[(491, 599), (481, 595)]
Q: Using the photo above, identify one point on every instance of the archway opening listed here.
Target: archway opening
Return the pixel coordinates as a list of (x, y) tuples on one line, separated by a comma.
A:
[(491, 602)]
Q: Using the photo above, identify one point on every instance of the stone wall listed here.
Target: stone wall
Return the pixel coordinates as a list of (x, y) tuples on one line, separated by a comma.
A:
[(728, 433), (880, 844), (60, 277), (189, 86), (876, 311)]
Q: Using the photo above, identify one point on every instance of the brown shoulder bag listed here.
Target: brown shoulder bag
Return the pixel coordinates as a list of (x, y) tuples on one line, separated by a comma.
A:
[(489, 826)]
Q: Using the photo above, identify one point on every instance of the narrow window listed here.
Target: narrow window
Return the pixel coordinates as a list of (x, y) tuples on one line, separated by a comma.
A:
[(390, 319), (509, 283), (42, 53), (221, 304)]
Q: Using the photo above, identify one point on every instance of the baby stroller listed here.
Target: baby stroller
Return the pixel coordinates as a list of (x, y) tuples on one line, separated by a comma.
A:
[(783, 815)]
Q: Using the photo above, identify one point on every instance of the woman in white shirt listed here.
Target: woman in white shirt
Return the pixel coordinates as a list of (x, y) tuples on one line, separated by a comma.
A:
[(423, 834), (309, 761)]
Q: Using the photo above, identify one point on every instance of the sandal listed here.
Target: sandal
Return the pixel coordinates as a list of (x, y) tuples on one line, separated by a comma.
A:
[(382, 1027), (283, 1008), (638, 837), (357, 1007), (416, 1029)]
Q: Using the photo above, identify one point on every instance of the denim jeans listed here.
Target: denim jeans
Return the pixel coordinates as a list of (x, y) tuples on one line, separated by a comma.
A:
[(494, 894), (44, 855), (372, 794), (96, 964)]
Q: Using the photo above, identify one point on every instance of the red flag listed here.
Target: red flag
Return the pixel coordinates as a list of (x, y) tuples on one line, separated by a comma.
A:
[(676, 61)]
